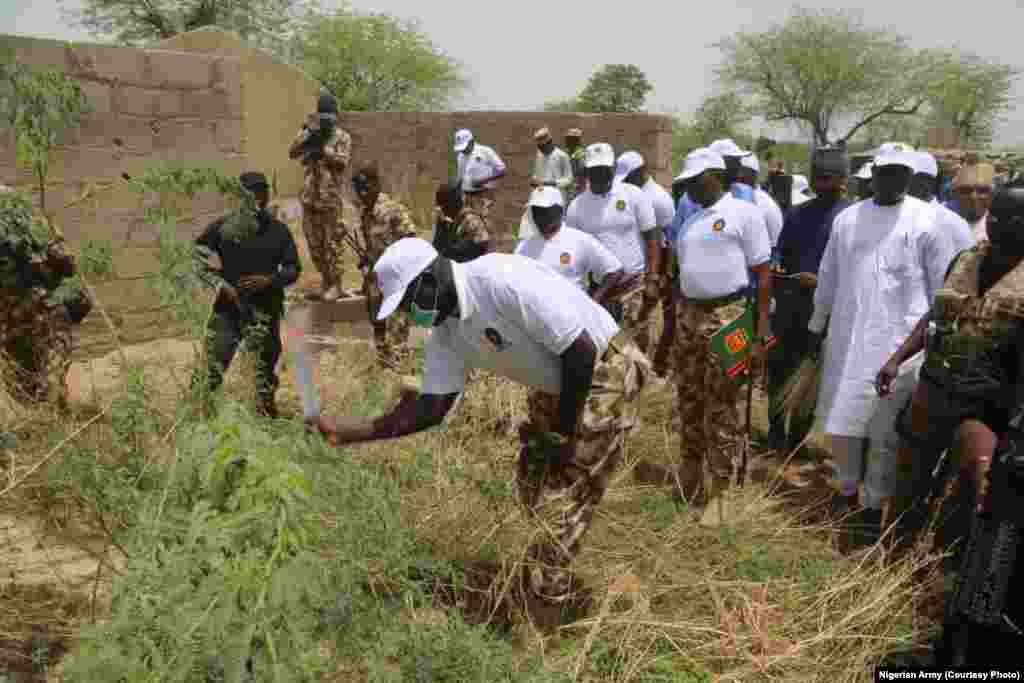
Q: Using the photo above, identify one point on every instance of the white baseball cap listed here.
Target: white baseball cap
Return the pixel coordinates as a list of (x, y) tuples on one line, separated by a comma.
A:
[(896, 158), (462, 139), (864, 172), (727, 147), (925, 163), (399, 265), (599, 154), (543, 197), (800, 186), (700, 160), (626, 164), (751, 163), (887, 147)]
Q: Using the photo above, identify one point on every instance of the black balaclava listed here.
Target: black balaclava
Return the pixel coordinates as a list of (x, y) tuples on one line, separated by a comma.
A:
[(1006, 221), (327, 105)]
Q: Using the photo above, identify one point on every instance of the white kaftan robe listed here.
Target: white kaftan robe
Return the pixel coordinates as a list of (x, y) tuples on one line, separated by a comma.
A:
[(878, 276)]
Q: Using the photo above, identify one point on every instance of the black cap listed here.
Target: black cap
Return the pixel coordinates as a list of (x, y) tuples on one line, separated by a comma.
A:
[(327, 105), (254, 181), (831, 161)]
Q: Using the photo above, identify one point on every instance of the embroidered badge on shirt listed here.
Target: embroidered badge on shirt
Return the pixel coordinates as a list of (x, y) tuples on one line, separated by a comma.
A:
[(621, 205), (565, 258), (718, 225), (493, 340)]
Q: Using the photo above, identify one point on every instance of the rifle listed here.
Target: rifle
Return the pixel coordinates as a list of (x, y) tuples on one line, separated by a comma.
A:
[(313, 146), (979, 601)]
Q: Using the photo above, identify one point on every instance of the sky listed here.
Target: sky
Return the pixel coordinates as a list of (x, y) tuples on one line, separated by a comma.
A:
[(523, 53)]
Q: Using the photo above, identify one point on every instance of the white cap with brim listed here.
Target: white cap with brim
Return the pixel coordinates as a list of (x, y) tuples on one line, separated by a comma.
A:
[(700, 160), (925, 164), (800, 187), (887, 147), (627, 163), (462, 139), (896, 158), (599, 154), (543, 197), (398, 266), (727, 147)]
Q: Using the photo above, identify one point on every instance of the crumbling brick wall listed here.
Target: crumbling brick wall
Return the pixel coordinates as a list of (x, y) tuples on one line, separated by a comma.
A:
[(196, 106)]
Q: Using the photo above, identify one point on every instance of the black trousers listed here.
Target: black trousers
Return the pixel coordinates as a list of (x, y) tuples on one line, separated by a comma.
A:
[(261, 330)]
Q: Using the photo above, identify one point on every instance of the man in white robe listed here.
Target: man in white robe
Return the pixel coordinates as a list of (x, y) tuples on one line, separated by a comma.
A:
[(884, 261)]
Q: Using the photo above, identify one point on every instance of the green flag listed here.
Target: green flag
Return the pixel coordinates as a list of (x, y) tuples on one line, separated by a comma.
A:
[(732, 343)]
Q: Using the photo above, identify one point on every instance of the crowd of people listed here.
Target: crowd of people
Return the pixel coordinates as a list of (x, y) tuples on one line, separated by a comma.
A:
[(904, 289)]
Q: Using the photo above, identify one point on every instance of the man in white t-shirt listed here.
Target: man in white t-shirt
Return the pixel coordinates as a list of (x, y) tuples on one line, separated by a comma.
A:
[(748, 172), (717, 248), (570, 252), (479, 168), (520, 319), (621, 217)]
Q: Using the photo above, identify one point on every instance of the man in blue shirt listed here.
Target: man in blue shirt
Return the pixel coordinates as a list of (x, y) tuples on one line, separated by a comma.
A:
[(802, 242)]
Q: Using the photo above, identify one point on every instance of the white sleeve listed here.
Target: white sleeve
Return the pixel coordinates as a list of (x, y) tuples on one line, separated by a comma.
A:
[(664, 211), (599, 259), (757, 246), (828, 274), (543, 317), (643, 211), (773, 219), (520, 247), (570, 215), (937, 252), (960, 233), (444, 369), (496, 163)]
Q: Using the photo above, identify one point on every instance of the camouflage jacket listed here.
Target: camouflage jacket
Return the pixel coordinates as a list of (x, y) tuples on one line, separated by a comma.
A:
[(386, 223), (323, 186)]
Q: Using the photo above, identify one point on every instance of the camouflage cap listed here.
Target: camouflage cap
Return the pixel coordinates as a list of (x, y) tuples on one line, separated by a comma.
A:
[(574, 133)]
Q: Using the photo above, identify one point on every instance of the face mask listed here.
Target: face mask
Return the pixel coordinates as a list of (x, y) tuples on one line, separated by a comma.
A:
[(423, 317)]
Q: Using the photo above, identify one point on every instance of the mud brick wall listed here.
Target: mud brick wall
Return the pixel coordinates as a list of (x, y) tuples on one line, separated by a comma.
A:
[(414, 150), (146, 105)]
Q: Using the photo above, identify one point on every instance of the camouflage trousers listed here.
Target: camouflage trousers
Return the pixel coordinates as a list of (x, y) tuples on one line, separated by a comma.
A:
[(225, 331), (480, 202), (323, 231), (562, 497), (391, 335), (712, 430), (37, 347)]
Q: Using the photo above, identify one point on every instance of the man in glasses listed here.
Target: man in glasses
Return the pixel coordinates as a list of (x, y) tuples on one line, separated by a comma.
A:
[(972, 197), (518, 318), (382, 222)]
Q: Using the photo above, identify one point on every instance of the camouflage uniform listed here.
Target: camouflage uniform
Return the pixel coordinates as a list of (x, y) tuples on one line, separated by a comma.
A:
[(578, 171), (563, 496), (712, 431), (971, 370), (386, 223), (627, 307), (35, 333), (322, 202), (468, 226)]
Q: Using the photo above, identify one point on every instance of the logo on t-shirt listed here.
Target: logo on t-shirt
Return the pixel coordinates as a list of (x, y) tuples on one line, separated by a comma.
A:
[(493, 340), (565, 259), (621, 205), (718, 225)]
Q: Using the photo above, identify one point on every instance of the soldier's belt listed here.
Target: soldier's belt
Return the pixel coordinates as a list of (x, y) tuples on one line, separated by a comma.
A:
[(717, 302)]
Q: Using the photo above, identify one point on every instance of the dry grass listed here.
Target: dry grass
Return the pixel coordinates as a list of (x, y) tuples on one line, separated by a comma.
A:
[(677, 594)]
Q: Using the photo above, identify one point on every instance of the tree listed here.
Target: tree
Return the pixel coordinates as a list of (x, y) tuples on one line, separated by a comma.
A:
[(721, 116), (971, 95), (378, 62), (567, 104), (269, 23), (825, 69), (615, 88)]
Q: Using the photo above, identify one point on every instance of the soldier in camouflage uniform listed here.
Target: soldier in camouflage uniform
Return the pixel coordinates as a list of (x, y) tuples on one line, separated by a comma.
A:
[(38, 311), (576, 151), (519, 318), (460, 232), (971, 380), (325, 150), (382, 222)]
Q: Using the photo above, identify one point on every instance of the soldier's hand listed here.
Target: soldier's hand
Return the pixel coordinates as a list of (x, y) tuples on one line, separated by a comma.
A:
[(256, 283), (807, 280)]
